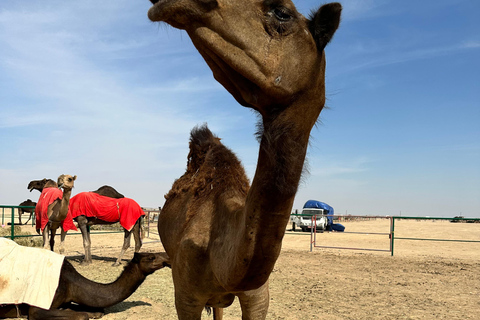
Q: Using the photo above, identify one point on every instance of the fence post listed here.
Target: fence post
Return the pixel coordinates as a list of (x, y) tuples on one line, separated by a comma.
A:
[(392, 235), (12, 222), (311, 234)]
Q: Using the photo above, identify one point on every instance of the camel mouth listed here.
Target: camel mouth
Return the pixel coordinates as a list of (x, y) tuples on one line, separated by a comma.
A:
[(156, 12)]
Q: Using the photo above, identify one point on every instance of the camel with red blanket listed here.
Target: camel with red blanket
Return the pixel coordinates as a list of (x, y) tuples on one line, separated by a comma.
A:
[(89, 208), (52, 211)]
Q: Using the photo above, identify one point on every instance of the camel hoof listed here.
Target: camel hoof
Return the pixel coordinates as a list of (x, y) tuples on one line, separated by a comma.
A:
[(115, 264), (85, 263)]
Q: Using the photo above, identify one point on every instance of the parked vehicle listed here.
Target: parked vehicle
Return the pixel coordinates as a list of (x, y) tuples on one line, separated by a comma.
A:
[(304, 221), (323, 217)]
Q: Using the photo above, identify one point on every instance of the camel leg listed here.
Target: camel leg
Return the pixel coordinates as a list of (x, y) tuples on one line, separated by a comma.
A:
[(42, 314), (217, 313), (137, 235), (29, 218), (53, 231), (20, 212), (82, 224), (187, 307), (62, 241), (45, 234), (254, 303), (126, 245)]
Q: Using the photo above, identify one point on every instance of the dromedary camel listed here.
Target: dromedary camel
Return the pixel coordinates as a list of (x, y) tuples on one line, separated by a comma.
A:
[(106, 191), (26, 203), (52, 210), (223, 236), (89, 208), (90, 297)]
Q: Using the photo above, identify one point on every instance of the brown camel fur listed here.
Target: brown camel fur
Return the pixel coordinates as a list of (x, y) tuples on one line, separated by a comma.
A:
[(57, 212), (222, 236), (90, 297), (108, 191), (26, 203)]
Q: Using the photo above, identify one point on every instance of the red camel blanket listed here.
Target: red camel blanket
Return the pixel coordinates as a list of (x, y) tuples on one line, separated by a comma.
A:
[(48, 196), (90, 204)]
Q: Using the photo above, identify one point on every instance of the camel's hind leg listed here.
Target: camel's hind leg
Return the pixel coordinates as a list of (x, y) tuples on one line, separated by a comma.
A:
[(62, 241), (138, 234), (20, 212), (126, 245), (45, 234), (53, 232)]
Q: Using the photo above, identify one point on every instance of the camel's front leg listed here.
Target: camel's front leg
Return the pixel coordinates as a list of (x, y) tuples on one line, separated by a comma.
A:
[(82, 224), (254, 303), (62, 241), (126, 245), (42, 314), (188, 308)]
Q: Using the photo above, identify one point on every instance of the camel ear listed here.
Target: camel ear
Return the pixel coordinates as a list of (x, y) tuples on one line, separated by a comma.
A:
[(324, 23), (74, 178)]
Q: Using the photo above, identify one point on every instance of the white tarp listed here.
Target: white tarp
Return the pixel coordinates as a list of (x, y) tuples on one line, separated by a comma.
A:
[(28, 275)]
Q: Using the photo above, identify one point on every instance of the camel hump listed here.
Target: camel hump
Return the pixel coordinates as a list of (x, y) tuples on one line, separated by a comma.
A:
[(201, 141)]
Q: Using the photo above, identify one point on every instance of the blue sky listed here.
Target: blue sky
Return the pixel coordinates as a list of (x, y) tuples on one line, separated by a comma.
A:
[(93, 88)]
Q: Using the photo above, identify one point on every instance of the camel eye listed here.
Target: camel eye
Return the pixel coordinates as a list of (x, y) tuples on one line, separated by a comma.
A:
[(282, 14)]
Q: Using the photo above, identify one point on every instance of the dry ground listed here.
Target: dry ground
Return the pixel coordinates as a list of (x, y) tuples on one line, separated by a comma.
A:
[(423, 280)]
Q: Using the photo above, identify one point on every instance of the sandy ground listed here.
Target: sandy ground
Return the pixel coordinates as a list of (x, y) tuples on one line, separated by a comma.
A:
[(423, 280)]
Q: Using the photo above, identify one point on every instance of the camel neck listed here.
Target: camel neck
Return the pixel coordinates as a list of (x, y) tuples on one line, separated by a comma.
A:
[(65, 202), (269, 201), (100, 295)]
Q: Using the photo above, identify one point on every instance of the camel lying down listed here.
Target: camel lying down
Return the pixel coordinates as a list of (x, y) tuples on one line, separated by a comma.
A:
[(78, 298)]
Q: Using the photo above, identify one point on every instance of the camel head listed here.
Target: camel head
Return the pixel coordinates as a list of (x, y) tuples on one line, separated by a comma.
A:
[(66, 181), (264, 52), (148, 262), (37, 185)]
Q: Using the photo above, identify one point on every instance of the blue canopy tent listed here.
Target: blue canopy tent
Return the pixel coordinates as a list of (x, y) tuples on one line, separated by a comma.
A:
[(328, 210)]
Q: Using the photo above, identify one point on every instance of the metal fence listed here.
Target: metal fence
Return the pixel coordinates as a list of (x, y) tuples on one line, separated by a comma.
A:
[(392, 237), (12, 219), (8, 218)]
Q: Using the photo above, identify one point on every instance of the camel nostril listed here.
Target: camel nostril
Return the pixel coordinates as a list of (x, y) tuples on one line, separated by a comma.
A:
[(154, 1)]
